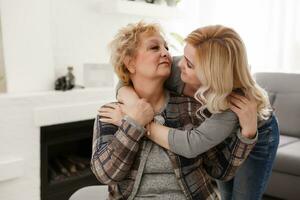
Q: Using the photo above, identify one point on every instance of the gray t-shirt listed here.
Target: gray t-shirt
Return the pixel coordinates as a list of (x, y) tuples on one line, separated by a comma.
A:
[(158, 180)]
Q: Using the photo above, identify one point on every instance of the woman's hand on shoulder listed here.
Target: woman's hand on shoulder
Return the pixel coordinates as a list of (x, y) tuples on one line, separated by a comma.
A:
[(142, 111), (245, 108), (138, 109), (111, 113)]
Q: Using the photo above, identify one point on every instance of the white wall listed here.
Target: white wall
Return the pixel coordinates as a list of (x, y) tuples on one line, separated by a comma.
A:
[(269, 28), (2, 72), (81, 32), (42, 37), (26, 35)]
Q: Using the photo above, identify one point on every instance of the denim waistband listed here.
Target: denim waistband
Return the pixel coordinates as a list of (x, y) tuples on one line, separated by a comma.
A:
[(268, 122)]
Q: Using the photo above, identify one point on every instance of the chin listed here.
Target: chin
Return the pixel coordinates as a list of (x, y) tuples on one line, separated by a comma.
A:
[(184, 79), (166, 71)]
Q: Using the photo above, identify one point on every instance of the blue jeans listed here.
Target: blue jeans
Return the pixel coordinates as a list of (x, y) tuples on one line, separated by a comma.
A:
[(252, 177)]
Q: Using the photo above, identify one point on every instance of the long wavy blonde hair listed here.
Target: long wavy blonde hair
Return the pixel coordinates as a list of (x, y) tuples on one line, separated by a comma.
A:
[(222, 66)]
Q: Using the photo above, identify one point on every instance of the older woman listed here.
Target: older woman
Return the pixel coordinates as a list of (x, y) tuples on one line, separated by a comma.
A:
[(132, 165), (215, 64)]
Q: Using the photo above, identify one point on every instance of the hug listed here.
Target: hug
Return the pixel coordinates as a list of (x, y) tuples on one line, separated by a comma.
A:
[(191, 127)]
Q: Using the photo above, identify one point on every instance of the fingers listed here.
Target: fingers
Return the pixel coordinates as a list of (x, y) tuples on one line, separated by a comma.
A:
[(239, 97), (108, 107), (235, 109), (111, 105), (106, 120), (111, 113), (237, 102), (105, 111), (105, 114)]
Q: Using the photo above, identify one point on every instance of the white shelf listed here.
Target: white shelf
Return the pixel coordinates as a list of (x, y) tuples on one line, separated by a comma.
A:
[(138, 8), (50, 115), (11, 168)]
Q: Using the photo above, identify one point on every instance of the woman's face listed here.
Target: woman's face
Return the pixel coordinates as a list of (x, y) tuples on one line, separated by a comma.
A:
[(153, 60), (187, 66)]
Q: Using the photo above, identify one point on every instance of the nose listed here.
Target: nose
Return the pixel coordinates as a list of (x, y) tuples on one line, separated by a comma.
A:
[(165, 53)]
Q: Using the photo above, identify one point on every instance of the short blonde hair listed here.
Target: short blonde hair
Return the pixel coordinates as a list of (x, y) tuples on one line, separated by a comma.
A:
[(222, 66), (125, 44)]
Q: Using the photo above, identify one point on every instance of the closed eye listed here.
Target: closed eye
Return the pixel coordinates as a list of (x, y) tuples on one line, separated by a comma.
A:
[(188, 63), (154, 48)]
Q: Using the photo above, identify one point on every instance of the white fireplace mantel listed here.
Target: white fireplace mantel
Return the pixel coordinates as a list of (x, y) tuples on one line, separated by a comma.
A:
[(21, 116)]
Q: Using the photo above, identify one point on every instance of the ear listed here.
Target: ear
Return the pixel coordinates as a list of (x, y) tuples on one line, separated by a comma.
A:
[(129, 63)]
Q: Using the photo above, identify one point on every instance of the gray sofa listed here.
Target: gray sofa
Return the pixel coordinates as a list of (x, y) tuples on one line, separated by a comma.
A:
[(284, 93)]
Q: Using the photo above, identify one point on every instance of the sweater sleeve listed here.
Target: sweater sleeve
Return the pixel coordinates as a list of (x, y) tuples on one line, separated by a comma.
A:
[(223, 161), (174, 82), (114, 149), (214, 130)]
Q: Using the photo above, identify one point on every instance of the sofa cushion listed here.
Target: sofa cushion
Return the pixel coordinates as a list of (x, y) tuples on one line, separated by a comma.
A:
[(288, 159), (271, 97), (285, 140), (279, 82), (287, 109)]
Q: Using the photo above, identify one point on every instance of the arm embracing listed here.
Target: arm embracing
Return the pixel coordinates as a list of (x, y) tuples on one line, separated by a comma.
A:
[(214, 130), (114, 149)]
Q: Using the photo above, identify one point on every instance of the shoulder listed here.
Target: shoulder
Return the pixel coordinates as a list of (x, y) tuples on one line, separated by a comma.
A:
[(184, 109)]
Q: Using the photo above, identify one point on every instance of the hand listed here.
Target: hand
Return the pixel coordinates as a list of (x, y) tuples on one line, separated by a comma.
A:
[(142, 112), (127, 96), (246, 110), (111, 113)]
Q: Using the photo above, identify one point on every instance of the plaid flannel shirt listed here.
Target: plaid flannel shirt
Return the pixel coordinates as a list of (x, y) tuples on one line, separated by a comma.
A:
[(117, 153)]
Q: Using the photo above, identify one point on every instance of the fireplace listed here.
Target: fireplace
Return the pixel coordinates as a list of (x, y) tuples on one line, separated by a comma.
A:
[(65, 154)]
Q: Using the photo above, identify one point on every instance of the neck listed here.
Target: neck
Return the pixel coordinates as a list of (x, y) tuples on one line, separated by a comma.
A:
[(152, 91)]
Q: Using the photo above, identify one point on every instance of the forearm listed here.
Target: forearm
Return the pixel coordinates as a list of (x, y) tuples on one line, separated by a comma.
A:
[(159, 135), (214, 130), (114, 151)]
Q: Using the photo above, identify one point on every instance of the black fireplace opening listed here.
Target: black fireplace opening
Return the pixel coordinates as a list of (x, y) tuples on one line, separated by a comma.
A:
[(65, 159)]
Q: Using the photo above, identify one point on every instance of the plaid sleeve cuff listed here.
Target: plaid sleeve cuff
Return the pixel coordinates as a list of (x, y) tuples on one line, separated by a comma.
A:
[(245, 139), (132, 128)]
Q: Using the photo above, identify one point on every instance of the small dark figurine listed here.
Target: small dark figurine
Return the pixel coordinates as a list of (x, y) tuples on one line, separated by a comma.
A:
[(66, 82), (150, 1)]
